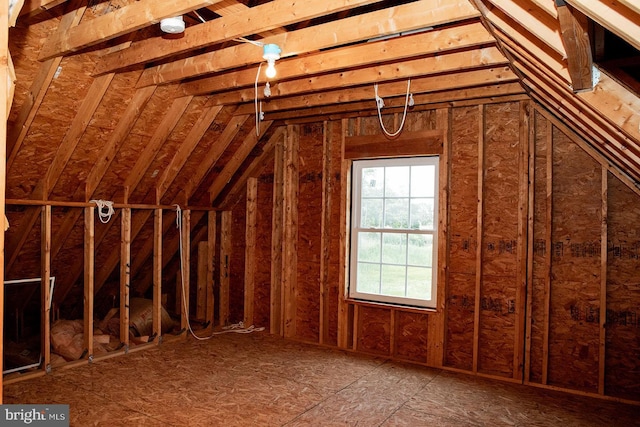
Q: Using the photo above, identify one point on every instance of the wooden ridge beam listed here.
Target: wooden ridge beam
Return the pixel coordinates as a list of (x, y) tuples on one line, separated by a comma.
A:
[(393, 20), (258, 19)]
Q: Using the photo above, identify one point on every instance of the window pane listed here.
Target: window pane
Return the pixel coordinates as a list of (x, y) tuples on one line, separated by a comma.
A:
[(397, 181), (423, 181), (369, 247), (368, 278), (393, 280), (420, 250), (422, 214), (371, 213), (396, 213), (394, 248), (419, 282), (372, 182)]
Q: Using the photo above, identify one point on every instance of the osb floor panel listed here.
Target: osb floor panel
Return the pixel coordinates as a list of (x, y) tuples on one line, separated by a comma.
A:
[(260, 380)]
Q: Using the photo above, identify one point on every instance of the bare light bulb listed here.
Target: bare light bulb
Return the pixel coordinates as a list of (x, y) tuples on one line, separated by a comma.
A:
[(270, 72)]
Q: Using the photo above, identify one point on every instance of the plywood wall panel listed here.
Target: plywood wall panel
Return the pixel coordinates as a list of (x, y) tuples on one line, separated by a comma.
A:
[(575, 270), (411, 336), (463, 202), (460, 321), (622, 361), (262, 303), (541, 229), (500, 235), (144, 191), (497, 326), (374, 330), (309, 237), (27, 264), (236, 260), (335, 190)]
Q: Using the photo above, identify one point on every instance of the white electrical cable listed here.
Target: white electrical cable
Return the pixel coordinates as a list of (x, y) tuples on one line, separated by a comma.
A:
[(380, 105), (255, 100), (236, 327), (102, 204)]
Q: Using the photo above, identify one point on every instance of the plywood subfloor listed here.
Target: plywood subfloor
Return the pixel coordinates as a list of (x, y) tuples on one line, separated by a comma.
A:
[(260, 380)]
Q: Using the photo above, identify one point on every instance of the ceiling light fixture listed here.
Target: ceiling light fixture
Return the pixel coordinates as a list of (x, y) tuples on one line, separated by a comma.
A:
[(271, 53), (174, 25)]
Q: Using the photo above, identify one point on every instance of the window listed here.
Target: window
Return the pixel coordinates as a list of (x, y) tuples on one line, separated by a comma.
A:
[(394, 231)]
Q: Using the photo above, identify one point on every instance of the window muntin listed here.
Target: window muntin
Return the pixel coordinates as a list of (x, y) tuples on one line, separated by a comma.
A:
[(394, 231)]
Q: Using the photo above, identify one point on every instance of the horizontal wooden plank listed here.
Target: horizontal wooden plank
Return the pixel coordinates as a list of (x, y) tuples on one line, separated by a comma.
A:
[(406, 144)]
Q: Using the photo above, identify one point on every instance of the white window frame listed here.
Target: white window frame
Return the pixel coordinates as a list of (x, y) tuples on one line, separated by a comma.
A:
[(355, 229)]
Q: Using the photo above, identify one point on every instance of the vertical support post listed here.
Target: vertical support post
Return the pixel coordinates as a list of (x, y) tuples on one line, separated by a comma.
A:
[(225, 255), (277, 222), (530, 241), (45, 224), (325, 232), (89, 275), (345, 202), (603, 282), (437, 320), (479, 231), (201, 293), (185, 267), (4, 113), (290, 244), (250, 249), (157, 274), (125, 274), (548, 253), (211, 248), (523, 222)]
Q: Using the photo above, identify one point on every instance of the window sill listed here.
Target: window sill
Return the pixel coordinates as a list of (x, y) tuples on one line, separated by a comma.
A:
[(391, 306)]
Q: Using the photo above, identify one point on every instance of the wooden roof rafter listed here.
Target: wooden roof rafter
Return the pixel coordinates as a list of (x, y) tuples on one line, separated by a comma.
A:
[(437, 42), (275, 14), (121, 21), (411, 16)]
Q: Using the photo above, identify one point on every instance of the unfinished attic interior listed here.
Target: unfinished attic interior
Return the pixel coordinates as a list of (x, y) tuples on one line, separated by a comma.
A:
[(453, 185)]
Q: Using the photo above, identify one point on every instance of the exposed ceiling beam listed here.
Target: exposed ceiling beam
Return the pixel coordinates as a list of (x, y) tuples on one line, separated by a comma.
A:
[(133, 17), (358, 28), (18, 130), (32, 8), (441, 64), (539, 24), (231, 167), (184, 150), (574, 27), (398, 48), (254, 20), (316, 104), (611, 14)]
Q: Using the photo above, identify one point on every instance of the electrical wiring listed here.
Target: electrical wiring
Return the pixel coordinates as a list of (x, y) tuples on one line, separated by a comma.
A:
[(236, 327), (380, 104)]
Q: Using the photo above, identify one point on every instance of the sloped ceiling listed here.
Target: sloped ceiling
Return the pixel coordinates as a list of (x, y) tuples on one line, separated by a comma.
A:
[(106, 106)]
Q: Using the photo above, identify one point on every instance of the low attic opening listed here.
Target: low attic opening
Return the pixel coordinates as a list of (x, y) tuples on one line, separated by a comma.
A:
[(617, 57)]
